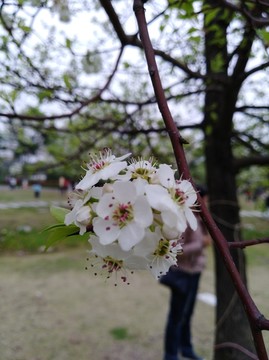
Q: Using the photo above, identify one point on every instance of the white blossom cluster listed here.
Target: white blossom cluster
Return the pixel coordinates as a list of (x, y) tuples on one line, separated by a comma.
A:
[(135, 214)]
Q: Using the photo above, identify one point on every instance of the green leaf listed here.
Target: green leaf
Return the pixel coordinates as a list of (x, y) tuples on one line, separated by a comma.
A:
[(126, 65), (14, 94), (59, 213), (67, 82), (80, 238), (45, 94), (59, 233), (211, 15), (217, 63), (68, 43), (49, 228), (25, 28), (264, 34)]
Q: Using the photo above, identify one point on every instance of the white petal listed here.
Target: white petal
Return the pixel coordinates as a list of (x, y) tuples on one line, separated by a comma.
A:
[(112, 250), (97, 248), (136, 262), (140, 186), (116, 252), (112, 170), (174, 220), (88, 181), (83, 214), (142, 212), (124, 192), (106, 231), (106, 205), (72, 215), (130, 235), (166, 176), (161, 266), (94, 192), (191, 218), (147, 245), (188, 189), (171, 232), (123, 157), (82, 228), (158, 197)]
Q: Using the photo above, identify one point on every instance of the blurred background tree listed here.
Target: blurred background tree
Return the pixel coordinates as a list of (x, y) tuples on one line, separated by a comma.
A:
[(74, 80)]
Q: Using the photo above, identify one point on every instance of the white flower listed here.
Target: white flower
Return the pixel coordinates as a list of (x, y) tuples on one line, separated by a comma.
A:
[(160, 252), (135, 217), (102, 167), (174, 199), (123, 215), (83, 208), (80, 215), (111, 260), (140, 169), (74, 196)]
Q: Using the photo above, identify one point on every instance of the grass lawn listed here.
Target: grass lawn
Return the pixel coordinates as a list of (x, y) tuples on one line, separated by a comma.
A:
[(53, 309), (18, 194)]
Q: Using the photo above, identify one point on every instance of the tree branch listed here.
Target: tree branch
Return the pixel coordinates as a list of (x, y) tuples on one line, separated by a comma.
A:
[(254, 20), (251, 309), (244, 244), (250, 160), (134, 41), (73, 112)]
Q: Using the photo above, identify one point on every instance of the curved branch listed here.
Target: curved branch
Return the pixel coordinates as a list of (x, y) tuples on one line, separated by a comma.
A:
[(255, 69), (254, 20), (251, 160), (252, 107), (134, 41), (250, 307), (77, 109)]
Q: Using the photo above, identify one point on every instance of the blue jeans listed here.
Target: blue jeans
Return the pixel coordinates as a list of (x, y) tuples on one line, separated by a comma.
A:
[(178, 327)]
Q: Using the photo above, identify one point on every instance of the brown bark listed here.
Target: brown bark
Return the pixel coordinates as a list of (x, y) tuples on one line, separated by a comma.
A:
[(233, 338)]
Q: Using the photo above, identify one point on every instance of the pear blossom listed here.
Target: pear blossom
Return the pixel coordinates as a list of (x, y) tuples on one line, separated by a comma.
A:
[(160, 252), (80, 215), (135, 217), (102, 167), (140, 169), (174, 199), (123, 215), (111, 260), (83, 208)]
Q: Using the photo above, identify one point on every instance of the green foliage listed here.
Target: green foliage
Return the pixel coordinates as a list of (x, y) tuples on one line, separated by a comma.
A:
[(120, 333), (58, 213), (58, 69), (217, 64), (264, 34), (22, 229), (60, 232)]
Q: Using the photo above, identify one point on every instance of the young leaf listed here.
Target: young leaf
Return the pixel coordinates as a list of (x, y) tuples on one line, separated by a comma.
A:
[(58, 213), (59, 233)]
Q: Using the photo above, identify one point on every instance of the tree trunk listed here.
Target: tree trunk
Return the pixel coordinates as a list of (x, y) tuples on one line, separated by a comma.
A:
[(231, 321), (233, 333)]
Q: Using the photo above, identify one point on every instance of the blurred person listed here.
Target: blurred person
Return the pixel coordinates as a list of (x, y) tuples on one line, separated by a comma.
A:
[(12, 183), (62, 184), (183, 280), (24, 183), (37, 190)]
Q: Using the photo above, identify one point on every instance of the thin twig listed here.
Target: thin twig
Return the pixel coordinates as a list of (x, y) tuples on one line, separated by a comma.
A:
[(244, 244)]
